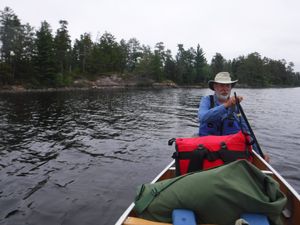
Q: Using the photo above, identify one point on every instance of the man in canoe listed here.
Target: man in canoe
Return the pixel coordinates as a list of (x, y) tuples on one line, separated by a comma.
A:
[(217, 113)]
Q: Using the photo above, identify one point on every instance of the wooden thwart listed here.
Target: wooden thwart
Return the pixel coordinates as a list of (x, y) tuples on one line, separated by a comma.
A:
[(139, 221)]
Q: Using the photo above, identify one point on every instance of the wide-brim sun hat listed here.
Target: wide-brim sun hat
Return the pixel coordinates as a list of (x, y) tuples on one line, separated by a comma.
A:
[(222, 78)]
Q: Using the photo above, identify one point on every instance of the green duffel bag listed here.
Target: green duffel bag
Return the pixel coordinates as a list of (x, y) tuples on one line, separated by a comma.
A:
[(217, 196)]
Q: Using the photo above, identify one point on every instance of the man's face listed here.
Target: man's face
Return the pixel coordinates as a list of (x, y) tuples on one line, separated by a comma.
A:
[(222, 90)]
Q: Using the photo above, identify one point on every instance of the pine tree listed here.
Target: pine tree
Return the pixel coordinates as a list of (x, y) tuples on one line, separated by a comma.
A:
[(81, 53), (45, 56), (200, 64), (10, 32), (62, 43), (217, 64)]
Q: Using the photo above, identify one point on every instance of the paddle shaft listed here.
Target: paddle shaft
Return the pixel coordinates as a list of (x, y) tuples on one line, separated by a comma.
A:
[(248, 125)]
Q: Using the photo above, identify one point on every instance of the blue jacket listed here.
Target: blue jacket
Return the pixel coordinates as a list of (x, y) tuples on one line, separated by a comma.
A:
[(218, 120)]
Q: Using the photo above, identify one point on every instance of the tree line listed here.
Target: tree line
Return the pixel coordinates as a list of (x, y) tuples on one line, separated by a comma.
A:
[(39, 58)]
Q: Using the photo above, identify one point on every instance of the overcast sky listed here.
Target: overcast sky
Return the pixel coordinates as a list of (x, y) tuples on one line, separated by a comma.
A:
[(232, 27)]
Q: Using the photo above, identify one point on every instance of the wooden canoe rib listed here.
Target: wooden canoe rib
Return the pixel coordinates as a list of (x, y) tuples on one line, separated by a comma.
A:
[(290, 216)]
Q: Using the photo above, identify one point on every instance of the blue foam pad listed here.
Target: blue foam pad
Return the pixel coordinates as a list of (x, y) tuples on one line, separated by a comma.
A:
[(183, 217), (255, 219)]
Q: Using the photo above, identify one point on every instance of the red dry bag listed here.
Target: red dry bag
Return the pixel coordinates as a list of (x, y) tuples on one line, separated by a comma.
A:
[(200, 153)]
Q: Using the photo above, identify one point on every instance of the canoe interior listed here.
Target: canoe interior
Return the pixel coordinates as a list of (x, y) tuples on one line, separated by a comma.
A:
[(290, 216)]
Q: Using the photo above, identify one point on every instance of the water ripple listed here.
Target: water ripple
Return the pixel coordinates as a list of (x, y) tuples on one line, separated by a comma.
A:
[(69, 157)]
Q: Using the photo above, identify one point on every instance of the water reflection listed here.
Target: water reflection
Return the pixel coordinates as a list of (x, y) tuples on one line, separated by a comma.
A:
[(76, 157)]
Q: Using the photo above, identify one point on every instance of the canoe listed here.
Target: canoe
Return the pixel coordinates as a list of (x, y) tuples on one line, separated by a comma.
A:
[(290, 215)]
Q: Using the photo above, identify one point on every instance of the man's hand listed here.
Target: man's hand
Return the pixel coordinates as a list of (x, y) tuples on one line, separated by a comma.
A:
[(267, 157), (232, 101)]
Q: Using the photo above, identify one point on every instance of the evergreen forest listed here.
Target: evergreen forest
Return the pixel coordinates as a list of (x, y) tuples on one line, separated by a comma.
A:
[(39, 58)]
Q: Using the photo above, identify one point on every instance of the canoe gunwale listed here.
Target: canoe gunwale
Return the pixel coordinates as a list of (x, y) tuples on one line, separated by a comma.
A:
[(279, 177)]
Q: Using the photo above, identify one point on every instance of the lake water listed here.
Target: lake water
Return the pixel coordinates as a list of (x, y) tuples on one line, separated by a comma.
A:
[(76, 157)]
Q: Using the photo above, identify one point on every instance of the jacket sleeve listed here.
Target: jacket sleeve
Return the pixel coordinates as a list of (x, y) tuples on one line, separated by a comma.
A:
[(205, 114)]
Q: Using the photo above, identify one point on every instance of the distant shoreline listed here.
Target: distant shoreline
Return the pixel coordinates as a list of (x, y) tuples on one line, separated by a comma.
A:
[(115, 82), (102, 82)]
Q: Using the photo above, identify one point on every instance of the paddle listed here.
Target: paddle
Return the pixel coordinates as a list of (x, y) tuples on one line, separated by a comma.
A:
[(248, 125)]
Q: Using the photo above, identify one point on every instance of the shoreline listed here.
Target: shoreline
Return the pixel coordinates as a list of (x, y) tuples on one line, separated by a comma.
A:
[(62, 89), (102, 82), (116, 82)]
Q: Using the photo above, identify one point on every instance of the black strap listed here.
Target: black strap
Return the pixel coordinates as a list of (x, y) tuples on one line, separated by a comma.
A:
[(197, 156), (229, 156), (171, 141), (212, 102)]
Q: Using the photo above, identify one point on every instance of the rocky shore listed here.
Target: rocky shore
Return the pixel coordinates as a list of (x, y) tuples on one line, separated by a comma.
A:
[(101, 82)]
